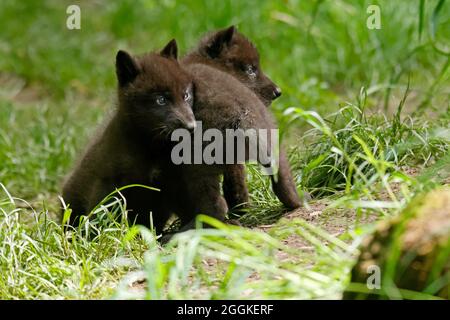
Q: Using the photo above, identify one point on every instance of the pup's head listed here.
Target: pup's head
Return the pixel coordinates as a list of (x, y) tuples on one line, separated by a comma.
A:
[(155, 93), (232, 52)]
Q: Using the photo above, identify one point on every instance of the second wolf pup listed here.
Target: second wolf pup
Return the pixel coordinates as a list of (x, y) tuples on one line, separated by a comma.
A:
[(229, 51)]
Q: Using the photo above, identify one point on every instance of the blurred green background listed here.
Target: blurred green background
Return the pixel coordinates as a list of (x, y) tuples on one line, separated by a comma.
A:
[(56, 84)]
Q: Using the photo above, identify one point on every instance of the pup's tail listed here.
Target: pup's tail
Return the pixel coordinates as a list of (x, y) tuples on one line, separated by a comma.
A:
[(274, 162), (283, 183)]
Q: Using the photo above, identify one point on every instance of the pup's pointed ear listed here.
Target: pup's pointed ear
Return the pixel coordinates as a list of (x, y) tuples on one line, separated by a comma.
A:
[(170, 50), (219, 41), (126, 68)]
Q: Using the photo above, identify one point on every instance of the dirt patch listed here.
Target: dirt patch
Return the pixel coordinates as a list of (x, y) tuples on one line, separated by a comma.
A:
[(334, 221), (139, 285)]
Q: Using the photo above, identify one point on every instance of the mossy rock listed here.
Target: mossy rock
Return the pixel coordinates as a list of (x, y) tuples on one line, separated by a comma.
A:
[(411, 253)]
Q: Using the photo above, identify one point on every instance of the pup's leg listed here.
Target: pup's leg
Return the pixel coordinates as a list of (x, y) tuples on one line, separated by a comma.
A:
[(204, 197), (147, 208), (82, 197), (78, 208), (235, 188)]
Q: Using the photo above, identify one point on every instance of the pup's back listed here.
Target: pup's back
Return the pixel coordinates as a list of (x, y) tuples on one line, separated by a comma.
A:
[(222, 102)]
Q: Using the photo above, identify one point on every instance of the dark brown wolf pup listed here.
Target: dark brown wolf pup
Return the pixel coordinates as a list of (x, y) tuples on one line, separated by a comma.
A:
[(229, 51), (155, 97)]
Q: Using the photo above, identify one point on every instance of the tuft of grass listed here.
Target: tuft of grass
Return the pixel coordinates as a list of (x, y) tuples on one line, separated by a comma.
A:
[(39, 260), (351, 149), (357, 155)]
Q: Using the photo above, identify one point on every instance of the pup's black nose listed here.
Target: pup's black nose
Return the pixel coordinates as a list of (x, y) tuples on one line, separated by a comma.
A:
[(191, 126), (276, 93)]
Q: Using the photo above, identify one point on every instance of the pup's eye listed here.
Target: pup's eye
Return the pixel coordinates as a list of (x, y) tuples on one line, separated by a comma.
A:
[(250, 70), (187, 96), (161, 100)]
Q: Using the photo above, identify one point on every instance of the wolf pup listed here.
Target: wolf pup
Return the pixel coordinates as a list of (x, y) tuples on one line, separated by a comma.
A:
[(223, 102), (231, 52), (155, 97)]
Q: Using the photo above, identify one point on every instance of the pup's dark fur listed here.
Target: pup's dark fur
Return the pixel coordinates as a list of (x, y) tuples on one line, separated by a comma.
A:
[(134, 147), (223, 102), (229, 51)]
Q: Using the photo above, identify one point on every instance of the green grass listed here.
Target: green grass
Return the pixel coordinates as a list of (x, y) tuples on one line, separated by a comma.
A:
[(351, 148), (360, 109), (44, 262)]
